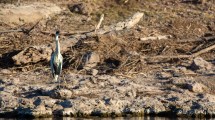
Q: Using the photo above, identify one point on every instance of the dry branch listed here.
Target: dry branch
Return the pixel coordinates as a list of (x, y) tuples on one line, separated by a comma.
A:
[(209, 38), (66, 33), (38, 53), (24, 30), (204, 50), (164, 37), (156, 58), (100, 22)]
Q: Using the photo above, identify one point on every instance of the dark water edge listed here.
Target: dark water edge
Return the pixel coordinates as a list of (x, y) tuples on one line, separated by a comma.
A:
[(118, 118)]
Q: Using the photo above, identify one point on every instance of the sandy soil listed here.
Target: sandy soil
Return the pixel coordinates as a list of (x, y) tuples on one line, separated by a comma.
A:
[(121, 77)]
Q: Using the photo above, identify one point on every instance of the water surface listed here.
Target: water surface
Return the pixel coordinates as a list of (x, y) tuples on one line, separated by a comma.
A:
[(119, 118)]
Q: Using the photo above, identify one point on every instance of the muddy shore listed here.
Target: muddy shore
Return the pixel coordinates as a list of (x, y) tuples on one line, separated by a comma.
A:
[(106, 96)]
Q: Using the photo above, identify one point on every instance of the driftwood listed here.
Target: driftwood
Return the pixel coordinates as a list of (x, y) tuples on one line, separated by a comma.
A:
[(165, 37), (38, 53), (66, 33), (201, 39), (159, 57), (161, 37), (129, 23)]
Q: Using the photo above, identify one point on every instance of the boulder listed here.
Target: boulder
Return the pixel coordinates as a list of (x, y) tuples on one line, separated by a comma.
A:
[(68, 112), (41, 111), (94, 72), (200, 64), (90, 60), (33, 54), (61, 94), (196, 87), (5, 71), (164, 75)]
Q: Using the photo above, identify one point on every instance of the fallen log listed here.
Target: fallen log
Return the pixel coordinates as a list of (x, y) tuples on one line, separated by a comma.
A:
[(35, 54)]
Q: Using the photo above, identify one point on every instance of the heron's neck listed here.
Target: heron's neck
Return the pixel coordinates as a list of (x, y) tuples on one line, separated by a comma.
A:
[(57, 45)]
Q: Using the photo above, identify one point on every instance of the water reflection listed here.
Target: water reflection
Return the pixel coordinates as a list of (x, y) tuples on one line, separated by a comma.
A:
[(132, 118), (120, 118)]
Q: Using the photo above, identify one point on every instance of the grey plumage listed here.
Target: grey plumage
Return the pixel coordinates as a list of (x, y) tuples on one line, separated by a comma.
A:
[(56, 60)]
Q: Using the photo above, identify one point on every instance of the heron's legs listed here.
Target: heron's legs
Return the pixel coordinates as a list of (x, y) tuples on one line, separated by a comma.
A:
[(64, 80), (58, 83)]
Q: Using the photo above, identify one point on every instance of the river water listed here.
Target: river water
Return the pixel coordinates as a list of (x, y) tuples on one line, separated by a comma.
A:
[(120, 118)]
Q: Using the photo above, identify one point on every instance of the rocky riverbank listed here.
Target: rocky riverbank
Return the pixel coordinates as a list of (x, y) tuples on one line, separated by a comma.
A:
[(105, 96)]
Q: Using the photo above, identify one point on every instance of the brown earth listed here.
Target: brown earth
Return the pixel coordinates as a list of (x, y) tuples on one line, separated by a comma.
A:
[(120, 52)]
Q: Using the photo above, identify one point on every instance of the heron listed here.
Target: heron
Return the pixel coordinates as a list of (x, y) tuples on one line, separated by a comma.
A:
[(56, 60)]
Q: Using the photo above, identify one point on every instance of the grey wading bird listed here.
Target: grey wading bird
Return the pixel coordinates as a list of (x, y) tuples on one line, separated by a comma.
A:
[(56, 60)]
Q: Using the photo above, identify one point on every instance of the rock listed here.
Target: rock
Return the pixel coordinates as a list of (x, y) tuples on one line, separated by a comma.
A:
[(57, 109), (40, 108), (200, 63), (32, 54), (149, 111), (164, 75), (66, 104), (131, 93), (103, 77), (94, 72), (2, 103), (46, 91), (80, 8), (41, 111), (15, 81), (134, 53), (5, 71), (93, 80), (90, 60), (49, 102), (22, 111), (178, 71), (196, 87), (185, 71), (25, 88), (24, 102), (68, 112), (38, 101), (114, 80), (11, 89), (61, 94), (209, 98), (4, 81)]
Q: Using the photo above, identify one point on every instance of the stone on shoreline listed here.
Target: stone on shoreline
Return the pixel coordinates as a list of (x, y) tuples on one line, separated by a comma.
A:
[(199, 63)]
